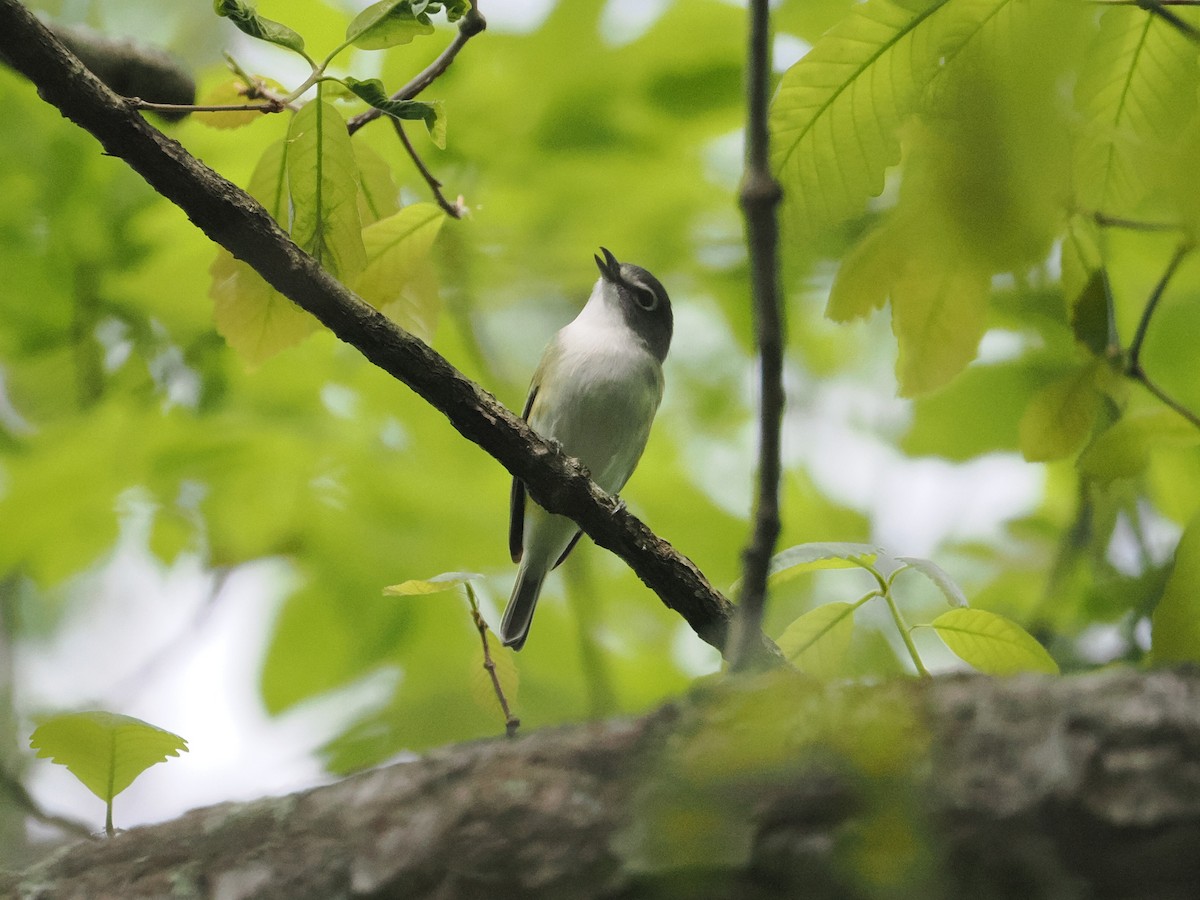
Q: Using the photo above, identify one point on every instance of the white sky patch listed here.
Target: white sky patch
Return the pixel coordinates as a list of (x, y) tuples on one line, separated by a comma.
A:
[(787, 50), (624, 21)]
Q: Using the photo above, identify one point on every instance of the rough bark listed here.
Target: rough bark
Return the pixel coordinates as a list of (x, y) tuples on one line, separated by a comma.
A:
[(1032, 787)]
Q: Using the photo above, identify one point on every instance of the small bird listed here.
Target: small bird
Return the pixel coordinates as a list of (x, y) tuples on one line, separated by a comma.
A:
[(595, 394)]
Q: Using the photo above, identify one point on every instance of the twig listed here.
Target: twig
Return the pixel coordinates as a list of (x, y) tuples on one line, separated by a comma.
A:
[(470, 25), (511, 722), (272, 106), (1133, 366), (760, 195), (456, 210), (1158, 8), (24, 800), (1106, 221)]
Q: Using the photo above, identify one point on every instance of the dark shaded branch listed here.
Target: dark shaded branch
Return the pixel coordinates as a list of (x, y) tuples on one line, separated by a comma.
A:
[(760, 196), (237, 222), (470, 25), (454, 210), (1133, 366)]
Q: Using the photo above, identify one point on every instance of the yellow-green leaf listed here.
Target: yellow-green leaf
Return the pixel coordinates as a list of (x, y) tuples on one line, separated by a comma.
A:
[(837, 110), (1059, 417), (378, 197), (1123, 450), (1137, 90), (104, 750), (399, 277), (1175, 624), (939, 310), (991, 643), (817, 642), (435, 585), (387, 23), (323, 184), (865, 275), (254, 318)]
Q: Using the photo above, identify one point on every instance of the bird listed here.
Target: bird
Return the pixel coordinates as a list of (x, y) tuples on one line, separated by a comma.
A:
[(594, 394)]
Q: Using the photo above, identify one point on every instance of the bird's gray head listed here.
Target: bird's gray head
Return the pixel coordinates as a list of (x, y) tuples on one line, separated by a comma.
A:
[(643, 300)]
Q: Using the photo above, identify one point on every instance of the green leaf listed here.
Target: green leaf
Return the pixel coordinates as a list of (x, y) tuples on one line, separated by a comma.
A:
[(935, 573), (835, 116), (106, 751), (817, 642), (378, 196), (1123, 450), (1136, 91), (939, 313), (388, 23), (824, 555), (991, 643), (435, 585), (323, 184), (1091, 315), (1060, 417), (431, 113), (1175, 623), (399, 278), (247, 20), (864, 276), (254, 318)]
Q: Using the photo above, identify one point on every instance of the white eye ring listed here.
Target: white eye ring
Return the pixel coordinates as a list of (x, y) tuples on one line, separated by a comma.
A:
[(644, 296)]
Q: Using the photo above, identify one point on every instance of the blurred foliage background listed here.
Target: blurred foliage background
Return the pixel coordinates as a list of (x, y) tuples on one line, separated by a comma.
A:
[(158, 494)]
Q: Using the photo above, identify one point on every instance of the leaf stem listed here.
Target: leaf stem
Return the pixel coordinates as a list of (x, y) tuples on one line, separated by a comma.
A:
[(898, 617)]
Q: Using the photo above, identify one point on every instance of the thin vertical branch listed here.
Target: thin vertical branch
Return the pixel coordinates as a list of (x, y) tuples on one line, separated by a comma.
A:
[(760, 196), (511, 722)]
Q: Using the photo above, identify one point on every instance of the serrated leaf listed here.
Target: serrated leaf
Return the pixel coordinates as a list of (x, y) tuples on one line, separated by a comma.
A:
[(1137, 89), (1123, 450), (483, 691), (323, 185), (835, 116), (817, 642), (431, 112), (435, 585), (991, 643), (864, 276), (939, 314), (1059, 417), (398, 278), (105, 751), (1175, 623), (942, 581), (248, 21), (823, 555), (388, 23), (255, 319)]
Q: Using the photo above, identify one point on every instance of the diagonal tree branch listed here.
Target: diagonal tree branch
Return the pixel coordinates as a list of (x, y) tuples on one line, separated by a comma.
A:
[(233, 219)]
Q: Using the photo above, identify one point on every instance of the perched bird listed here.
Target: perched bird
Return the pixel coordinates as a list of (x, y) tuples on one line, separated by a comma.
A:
[(595, 393)]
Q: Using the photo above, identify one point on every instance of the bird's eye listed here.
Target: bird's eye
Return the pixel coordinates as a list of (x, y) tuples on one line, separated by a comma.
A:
[(645, 297)]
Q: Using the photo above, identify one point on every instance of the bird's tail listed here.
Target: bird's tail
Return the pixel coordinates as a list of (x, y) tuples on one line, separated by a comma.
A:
[(518, 615)]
